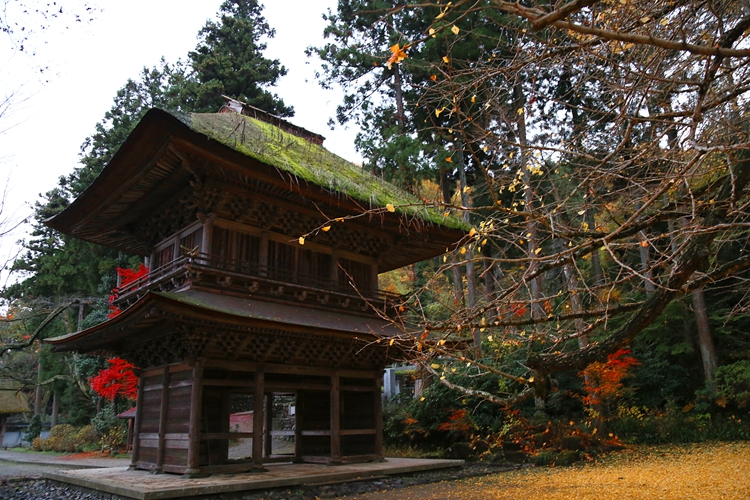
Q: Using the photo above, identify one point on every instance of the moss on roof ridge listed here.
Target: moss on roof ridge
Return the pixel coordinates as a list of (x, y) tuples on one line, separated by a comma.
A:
[(311, 162)]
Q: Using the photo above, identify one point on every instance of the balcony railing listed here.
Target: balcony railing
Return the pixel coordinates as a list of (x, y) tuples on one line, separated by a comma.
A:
[(245, 278)]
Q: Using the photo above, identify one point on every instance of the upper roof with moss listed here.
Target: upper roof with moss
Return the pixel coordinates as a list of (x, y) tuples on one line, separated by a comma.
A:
[(311, 162), (170, 161)]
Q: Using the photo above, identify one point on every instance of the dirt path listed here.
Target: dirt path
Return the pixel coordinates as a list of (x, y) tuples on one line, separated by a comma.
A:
[(700, 472)]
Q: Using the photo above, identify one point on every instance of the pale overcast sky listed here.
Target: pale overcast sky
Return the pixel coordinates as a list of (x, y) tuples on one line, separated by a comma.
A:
[(90, 62)]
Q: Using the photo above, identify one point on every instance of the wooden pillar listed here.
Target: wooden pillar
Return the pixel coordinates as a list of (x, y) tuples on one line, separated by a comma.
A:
[(373, 280), (335, 270), (263, 254), (258, 420), (335, 419), (378, 415), (138, 418), (177, 251), (163, 414), (194, 433), (208, 234), (298, 451), (268, 447)]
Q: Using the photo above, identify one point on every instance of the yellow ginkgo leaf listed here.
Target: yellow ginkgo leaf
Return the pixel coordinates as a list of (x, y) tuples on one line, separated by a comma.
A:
[(339, 219), (520, 111), (472, 232), (473, 98), (391, 342), (449, 160), (538, 250), (301, 240), (325, 229), (435, 366), (390, 207), (442, 342), (455, 30), (446, 60), (438, 111), (431, 31)]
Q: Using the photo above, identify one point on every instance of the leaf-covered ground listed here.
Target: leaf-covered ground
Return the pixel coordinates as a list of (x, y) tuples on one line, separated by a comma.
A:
[(702, 471)]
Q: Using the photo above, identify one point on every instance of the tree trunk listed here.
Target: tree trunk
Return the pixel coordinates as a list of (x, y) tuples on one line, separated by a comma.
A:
[(55, 409), (399, 98), (3, 422), (470, 284), (532, 240), (458, 288), (705, 340), (489, 282)]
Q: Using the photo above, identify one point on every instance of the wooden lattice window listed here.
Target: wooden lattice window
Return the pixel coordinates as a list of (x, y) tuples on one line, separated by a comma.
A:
[(314, 268), (280, 260), (360, 272)]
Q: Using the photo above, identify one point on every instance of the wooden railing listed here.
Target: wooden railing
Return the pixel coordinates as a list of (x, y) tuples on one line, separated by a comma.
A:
[(250, 278)]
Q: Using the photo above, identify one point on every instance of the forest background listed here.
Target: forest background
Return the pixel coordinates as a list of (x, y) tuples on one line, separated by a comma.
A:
[(598, 150)]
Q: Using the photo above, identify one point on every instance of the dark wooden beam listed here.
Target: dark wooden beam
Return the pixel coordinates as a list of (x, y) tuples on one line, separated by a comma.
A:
[(335, 419), (196, 408), (163, 414), (137, 421), (258, 421)]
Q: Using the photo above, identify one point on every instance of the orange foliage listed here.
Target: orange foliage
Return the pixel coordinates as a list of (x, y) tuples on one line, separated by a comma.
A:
[(603, 381), (457, 421)]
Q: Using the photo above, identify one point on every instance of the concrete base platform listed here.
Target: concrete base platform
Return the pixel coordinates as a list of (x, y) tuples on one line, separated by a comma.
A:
[(145, 486)]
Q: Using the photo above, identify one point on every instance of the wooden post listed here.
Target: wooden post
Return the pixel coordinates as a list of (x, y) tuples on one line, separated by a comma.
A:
[(176, 251), (269, 424), (258, 421), (194, 433), (334, 270), (373, 281), (208, 233), (263, 254), (298, 451), (137, 422), (160, 451), (335, 419), (378, 415)]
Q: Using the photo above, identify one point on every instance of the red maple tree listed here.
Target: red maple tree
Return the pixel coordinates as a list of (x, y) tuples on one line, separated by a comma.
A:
[(117, 380), (603, 381), (126, 276)]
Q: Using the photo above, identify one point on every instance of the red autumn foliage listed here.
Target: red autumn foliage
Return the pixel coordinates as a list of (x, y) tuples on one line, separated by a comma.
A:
[(126, 276), (603, 381), (117, 380), (457, 421)]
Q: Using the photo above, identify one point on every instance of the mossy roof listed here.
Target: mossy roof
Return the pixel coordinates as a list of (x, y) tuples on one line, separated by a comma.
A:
[(310, 162), (11, 399)]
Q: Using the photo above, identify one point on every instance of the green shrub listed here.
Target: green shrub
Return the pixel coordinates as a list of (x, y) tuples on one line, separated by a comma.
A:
[(68, 439), (676, 425), (34, 429), (733, 383), (110, 430)]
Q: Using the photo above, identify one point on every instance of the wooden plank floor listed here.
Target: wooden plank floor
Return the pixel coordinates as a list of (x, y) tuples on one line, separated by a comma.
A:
[(143, 485)]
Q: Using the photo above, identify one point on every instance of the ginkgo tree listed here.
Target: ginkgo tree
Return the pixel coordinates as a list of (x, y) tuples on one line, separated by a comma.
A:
[(611, 158)]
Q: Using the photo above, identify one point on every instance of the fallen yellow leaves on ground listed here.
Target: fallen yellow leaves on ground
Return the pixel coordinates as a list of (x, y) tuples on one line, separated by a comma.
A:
[(700, 471)]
